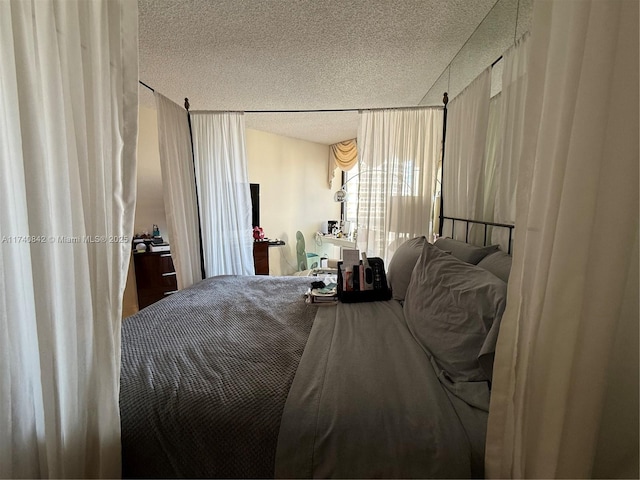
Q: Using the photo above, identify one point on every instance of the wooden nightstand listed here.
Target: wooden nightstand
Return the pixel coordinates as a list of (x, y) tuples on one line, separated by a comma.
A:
[(155, 276), (261, 254), (261, 257)]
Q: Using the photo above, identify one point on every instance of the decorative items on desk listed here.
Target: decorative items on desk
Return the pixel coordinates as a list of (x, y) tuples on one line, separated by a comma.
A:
[(258, 234), (339, 229)]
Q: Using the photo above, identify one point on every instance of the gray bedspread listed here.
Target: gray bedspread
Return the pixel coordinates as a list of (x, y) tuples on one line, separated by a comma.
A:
[(205, 375)]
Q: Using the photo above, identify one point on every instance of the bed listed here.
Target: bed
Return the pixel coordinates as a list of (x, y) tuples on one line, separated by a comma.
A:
[(237, 377)]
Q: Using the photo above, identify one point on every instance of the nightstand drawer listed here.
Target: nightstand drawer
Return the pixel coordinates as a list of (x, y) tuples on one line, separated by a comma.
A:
[(155, 277), (166, 263), (261, 258)]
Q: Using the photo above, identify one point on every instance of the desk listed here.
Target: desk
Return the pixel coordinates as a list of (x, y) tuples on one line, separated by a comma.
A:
[(338, 242)]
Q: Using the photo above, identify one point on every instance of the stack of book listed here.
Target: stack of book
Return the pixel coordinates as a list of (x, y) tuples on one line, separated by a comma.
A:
[(327, 295)]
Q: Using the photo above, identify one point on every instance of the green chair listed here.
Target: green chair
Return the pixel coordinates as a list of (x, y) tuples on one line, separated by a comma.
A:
[(306, 261)]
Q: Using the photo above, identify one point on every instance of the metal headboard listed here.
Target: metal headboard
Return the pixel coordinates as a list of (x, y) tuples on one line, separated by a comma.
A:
[(479, 222)]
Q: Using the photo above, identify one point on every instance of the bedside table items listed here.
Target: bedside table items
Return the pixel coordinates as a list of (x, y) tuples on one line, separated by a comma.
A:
[(362, 281), (160, 247), (322, 294), (143, 242), (155, 272)]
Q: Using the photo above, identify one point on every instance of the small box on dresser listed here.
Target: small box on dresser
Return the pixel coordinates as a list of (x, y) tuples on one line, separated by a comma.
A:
[(155, 276)]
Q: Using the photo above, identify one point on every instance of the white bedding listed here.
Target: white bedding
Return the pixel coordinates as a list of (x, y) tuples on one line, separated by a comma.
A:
[(366, 403)]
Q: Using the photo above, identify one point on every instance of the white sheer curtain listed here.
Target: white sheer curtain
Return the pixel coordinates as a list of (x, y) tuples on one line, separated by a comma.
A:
[(178, 180), (564, 402), (509, 144), (68, 128), (398, 153), (223, 192), (462, 177), (493, 145)]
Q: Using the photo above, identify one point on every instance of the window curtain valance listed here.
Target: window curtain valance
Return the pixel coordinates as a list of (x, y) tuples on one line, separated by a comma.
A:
[(343, 155)]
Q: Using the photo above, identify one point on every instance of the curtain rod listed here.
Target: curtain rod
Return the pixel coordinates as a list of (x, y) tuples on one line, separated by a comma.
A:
[(340, 109), (145, 85), (417, 107), (321, 110)]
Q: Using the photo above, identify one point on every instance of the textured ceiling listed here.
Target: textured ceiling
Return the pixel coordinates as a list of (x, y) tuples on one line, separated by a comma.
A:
[(246, 55)]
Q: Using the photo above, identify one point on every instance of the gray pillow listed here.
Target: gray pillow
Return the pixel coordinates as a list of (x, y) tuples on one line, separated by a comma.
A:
[(465, 251), (457, 317), (498, 263), (401, 266)]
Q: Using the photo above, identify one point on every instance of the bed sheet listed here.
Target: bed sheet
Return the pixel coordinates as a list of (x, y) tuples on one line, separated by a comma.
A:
[(367, 403)]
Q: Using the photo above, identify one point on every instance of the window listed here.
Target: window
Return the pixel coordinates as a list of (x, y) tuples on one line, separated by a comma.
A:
[(351, 185)]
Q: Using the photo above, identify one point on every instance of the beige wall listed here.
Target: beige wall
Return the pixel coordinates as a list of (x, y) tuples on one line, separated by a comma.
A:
[(130, 299), (294, 193), (150, 203)]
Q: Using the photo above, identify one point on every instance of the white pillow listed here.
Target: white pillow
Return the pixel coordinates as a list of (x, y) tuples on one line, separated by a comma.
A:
[(465, 251), (498, 263), (401, 266), (454, 310)]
